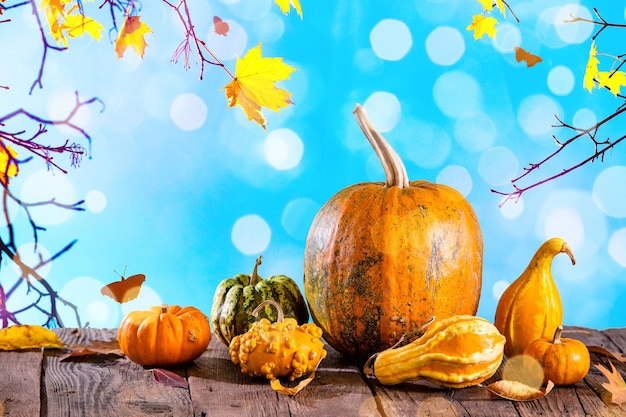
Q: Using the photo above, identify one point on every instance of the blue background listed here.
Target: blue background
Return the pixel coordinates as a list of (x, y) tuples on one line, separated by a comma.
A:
[(187, 192)]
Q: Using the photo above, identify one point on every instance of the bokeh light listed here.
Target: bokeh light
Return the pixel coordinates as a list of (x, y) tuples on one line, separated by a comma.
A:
[(445, 45), (283, 149), (561, 80), (609, 191), (95, 201), (251, 234), (94, 309), (457, 93), (509, 36), (297, 217), (391, 39), (188, 111), (383, 110), (43, 186), (475, 131), (456, 177), (498, 165), (536, 114), (617, 246)]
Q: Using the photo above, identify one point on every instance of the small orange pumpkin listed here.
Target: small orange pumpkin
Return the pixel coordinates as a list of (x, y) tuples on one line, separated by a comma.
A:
[(164, 335), (564, 361), (382, 258)]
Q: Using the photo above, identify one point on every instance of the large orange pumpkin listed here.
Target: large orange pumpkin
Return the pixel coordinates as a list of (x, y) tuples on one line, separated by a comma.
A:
[(381, 259), (164, 335)]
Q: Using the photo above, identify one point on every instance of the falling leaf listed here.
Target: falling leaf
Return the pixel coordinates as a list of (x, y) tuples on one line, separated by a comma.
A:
[(591, 70), (27, 336), (253, 86), (163, 376), (219, 26), (124, 290), (483, 25), (488, 5), (602, 351), (95, 347), (131, 34), (613, 80), (8, 164), (285, 6), (76, 25), (616, 385), (517, 391), (523, 55)]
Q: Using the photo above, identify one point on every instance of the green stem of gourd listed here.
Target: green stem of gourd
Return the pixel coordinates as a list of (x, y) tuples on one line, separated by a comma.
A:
[(281, 316), (254, 278), (395, 172)]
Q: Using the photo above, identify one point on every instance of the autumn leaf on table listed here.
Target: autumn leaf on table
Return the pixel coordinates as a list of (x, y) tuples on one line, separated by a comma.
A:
[(132, 34), (163, 376), (8, 164), (615, 385), (483, 25), (523, 55), (517, 391), (285, 6), (253, 86), (27, 336), (95, 347), (602, 351)]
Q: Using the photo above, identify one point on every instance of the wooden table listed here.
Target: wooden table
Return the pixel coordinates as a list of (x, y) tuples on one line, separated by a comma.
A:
[(38, 383)]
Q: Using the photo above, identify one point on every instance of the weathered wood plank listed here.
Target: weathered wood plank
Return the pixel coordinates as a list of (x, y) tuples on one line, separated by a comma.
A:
[(20, 374), (106, 385), (219, 388)]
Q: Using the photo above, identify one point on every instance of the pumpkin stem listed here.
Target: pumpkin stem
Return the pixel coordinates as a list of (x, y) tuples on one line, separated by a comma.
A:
[(281, 316), (164, 308), (395, 172), (557, 336), (254, 278)]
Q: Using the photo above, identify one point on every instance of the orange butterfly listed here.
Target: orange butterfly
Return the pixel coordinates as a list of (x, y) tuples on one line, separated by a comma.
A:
[(125, 290), (221, 27), (522, 55)]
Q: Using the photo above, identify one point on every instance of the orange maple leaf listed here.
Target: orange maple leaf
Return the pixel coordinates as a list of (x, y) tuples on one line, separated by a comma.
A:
[(615, 385), (523, 55), (131, 34), (253, 86)]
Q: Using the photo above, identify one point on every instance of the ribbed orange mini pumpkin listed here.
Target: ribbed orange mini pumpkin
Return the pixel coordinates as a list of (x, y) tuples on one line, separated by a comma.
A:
[(164, 335), (381, 259)]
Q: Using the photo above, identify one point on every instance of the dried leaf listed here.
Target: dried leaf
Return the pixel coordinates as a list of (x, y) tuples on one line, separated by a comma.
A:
[(523, 55), (27, 336), (483, 25), (219, 26), (254, 85), (285, 6), (95, 347), (517, 391), (124, 290), (615, 385), (278, 387), (131, 34), (163, 376), (602, 351)]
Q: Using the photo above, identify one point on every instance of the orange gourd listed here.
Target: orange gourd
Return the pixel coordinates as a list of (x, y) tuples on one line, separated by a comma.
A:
[(456, 352), (164, 335), (530, 308), (564, 361), (381, 259)]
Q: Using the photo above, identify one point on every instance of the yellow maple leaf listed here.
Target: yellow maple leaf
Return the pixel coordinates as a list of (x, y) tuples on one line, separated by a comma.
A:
[(254, 85), (285, 6), (8, 164), (488, 5), (612, 80), (131, 34), (591, 71), (77, 24), (483, 25)]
